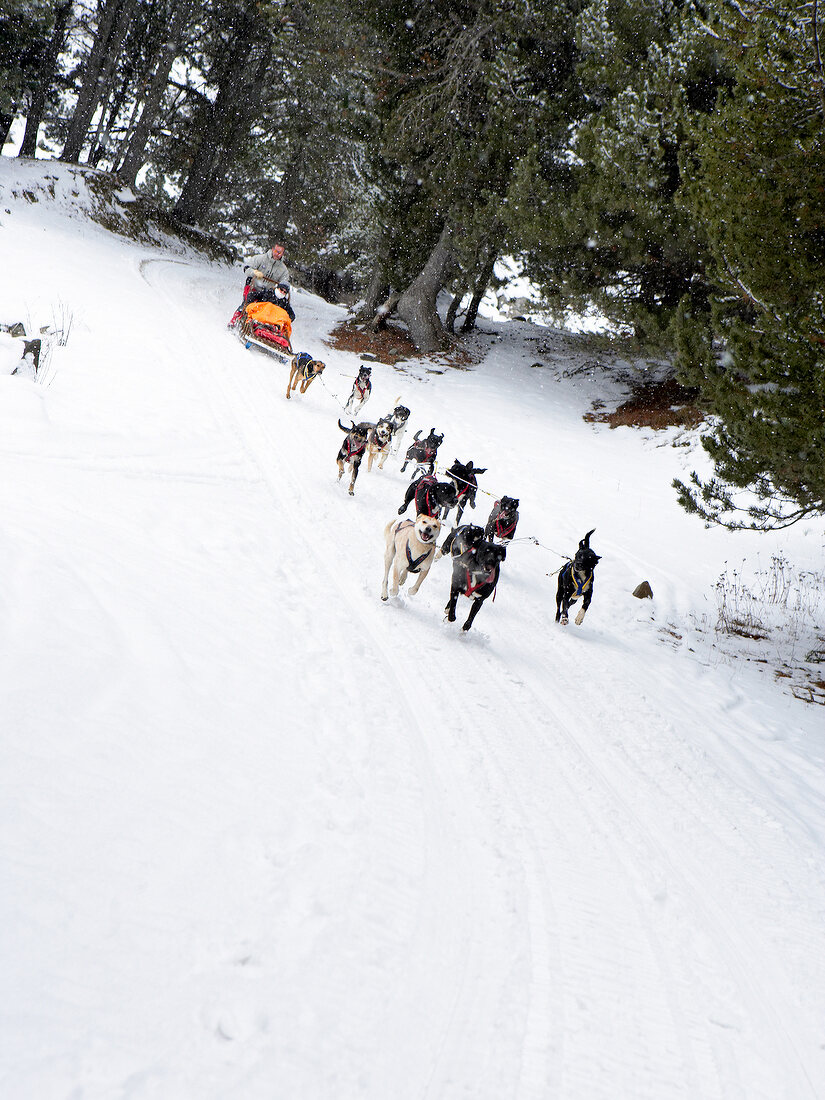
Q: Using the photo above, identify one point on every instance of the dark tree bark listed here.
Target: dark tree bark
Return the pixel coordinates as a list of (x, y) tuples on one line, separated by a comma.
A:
[(377, 288), (114, 23), (449, 320), (417, 305), (5, 126), (480, 288), (135, 155), (288, 191), (228, 118), (45, 79)]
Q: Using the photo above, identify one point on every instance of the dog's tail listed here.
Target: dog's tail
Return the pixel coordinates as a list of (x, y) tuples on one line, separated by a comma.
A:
[(343, 429)]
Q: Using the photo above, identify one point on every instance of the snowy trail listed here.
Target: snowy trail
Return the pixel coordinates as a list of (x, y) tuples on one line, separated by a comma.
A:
[(677, 969), (265, 835)]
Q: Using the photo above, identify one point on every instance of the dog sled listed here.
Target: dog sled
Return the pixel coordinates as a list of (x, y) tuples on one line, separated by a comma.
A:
[(268, 327)]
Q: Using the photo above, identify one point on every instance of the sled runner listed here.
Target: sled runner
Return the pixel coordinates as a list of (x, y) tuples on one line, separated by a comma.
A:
[(266, 326)]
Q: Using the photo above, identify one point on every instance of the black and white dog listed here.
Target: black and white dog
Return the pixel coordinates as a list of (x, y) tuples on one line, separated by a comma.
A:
[(503, 521), (352, 450), (378, 443), (463, 474), (398, 423), (423, 452), (576, 582), (361, 390), (476, 565), (431, 496)]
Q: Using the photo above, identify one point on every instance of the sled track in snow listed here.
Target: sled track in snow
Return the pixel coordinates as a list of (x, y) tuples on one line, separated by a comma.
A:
[(559, 907)]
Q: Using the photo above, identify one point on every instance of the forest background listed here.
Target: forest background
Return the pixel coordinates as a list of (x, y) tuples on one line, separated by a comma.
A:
[(661, 160)]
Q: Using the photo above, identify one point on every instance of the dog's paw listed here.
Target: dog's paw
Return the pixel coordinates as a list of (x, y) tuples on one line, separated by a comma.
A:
[(563, 620), (384, 599), (450, 616), (351, 491), (580, 618)]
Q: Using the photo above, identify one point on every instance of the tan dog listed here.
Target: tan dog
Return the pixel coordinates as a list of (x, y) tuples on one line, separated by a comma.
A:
[(410, 548), (378, 444), (304, 369)]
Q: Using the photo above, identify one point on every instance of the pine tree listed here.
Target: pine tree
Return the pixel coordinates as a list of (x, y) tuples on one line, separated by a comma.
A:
[(754, 180)]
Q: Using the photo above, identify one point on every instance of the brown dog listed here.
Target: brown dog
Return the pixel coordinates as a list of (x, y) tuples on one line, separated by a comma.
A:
[(304, 369), (410, 548)]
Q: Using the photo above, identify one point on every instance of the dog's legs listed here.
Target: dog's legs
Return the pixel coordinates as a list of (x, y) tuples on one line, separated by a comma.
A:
[(389, 554), (453, 600), (410, 493), (422, 573), (475, 607), (289, 384), (340, 469), (356, 465)]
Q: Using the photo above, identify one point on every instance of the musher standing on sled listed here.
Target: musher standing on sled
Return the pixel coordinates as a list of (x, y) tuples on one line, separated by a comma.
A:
[(267, 281)]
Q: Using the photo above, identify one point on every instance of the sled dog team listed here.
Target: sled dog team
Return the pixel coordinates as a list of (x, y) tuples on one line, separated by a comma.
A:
[(410, 545)]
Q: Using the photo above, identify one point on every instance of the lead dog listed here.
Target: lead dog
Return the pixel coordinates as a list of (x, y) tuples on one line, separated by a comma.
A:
[(352, 451), (576, 581), (409, 548), (475, 571), (361, 390), (503, 520), (303, 369), (431, 496)]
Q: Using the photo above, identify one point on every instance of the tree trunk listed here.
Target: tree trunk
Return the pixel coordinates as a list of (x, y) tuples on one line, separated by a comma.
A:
[(5, 126), (385, 310), (227, 121), (114, 23), (376, 289), (417, 305), (287, 191), (45, 79), (449, 320), (478, 293), (136, 153)]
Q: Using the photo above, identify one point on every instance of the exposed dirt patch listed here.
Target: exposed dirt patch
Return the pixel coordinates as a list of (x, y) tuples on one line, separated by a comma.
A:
[(656, 405), (387, 345), (392, 345)]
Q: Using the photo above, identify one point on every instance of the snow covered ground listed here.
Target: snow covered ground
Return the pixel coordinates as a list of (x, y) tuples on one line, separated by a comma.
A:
[(262, 835)]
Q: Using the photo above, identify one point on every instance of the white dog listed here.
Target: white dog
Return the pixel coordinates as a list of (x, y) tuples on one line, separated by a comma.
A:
[(410, 548)]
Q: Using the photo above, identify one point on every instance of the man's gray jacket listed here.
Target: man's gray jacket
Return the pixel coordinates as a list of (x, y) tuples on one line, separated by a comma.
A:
[(276, 270)]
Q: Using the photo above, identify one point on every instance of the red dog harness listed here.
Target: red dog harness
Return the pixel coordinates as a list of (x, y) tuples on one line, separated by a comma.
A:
[(354, 449), (470, 588)]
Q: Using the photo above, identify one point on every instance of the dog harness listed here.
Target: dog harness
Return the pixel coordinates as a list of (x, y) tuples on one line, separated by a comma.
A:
[(470, 588), (414, 564), (362, 386), (307, 365), (579, 586), (353, 449), (504, 531), (424, 502)]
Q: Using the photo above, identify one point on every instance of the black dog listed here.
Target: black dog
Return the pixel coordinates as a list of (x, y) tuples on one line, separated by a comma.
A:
[(464, 476), (423, 452), (475, 569), (430, 495), (361, 389), (501, 526), (462, 539), (576, 580), (352, 450)]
